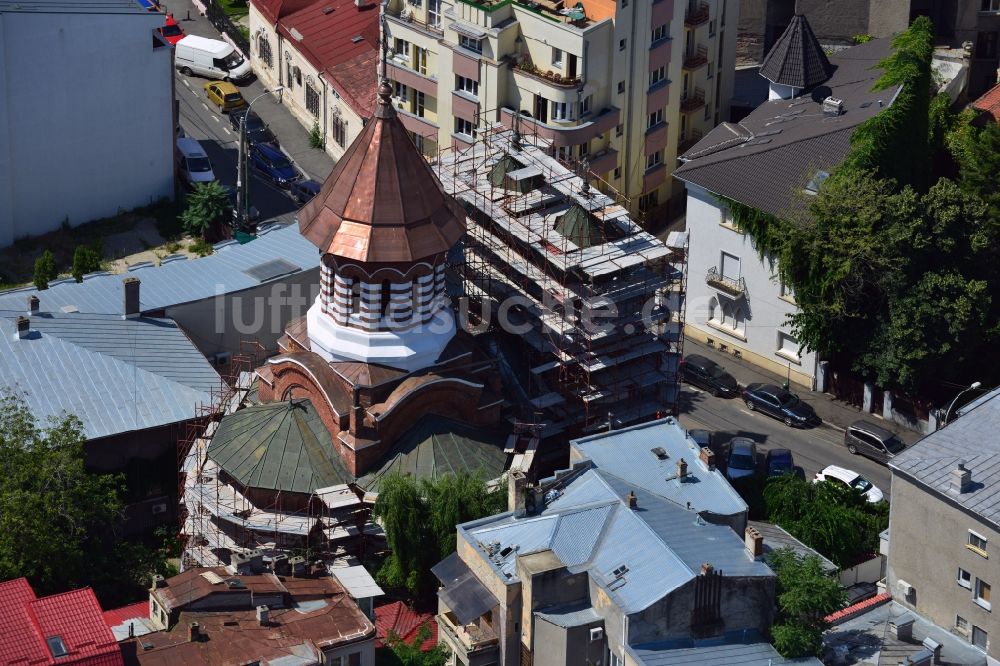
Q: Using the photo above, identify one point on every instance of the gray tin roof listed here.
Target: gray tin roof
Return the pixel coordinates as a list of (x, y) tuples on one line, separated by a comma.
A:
[(573, 615), (117, 375), (969, 439), (73, 6), (733, 649), (231, 268)]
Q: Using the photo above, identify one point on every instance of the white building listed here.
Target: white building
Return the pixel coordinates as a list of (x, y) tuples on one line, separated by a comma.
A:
[(773, 160), (86, 113)]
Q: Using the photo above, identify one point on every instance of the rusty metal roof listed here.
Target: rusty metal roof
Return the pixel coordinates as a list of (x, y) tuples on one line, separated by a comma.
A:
[(382, 203)]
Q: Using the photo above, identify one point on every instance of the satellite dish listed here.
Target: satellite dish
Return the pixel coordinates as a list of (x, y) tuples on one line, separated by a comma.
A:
[(820, 93)]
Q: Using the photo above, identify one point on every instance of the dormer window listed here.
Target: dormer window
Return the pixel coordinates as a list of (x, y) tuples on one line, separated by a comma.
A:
[(56, 646)]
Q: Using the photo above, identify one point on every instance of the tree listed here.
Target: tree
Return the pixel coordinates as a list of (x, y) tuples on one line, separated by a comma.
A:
[(45, 270), (410, 654), (806, 595), (57, 521), (85, 260), (458, 498), (206, 205)]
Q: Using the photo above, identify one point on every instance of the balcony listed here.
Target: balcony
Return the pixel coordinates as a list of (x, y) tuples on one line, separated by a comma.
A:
[(466, 638), (692, 101), (697, 14), (697, 58), (407, 14), (552, 78), (688, 142), (731, 286), (564, 135)]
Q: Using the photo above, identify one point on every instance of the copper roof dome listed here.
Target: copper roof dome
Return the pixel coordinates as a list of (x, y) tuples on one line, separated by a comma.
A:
[(382, 203)]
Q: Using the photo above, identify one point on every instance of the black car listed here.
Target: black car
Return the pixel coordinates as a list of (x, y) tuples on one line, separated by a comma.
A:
[(778, 462), (872, 441), (302, 191), (257, 129), (709, 375), (779, 403)]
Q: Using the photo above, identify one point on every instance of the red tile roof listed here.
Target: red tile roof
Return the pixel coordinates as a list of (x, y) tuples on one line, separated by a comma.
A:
[(74, 616), (845, 614), (406, 624), (273, 10), (990, 102), (119, 616), (329, 41)]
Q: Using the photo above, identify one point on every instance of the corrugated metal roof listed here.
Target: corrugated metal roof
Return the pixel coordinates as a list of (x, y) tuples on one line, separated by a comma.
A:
[(628, 454), (117, 375), (280, 446), (174, 282), (575, 615), (971, 440), (736, 649)]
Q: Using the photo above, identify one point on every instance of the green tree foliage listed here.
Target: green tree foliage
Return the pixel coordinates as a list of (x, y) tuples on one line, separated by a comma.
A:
[(419, 521), (836, 521), (398, 652), (57, 521), (45, 270), (206, 205), (806, 594), (85, 260)]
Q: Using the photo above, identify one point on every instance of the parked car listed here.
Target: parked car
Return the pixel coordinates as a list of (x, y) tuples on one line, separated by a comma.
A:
[(257, 129), (171, 31), (779, 462), (850, 479), (872, 441), (709, 375), (779, 403), (149, 5), (213, 58), (193, 162), (742, 461), (273, 165), (304, 190), (224, 95), (701, 437)]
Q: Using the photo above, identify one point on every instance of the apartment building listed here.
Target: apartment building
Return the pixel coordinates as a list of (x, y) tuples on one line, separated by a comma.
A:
[(624, 86)]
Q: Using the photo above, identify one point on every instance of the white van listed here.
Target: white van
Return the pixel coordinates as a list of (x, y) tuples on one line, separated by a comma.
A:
[(212, 58), (193, 163)]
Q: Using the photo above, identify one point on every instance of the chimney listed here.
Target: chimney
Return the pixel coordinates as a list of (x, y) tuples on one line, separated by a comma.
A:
[(517, 485), (682, 469), (262, 615), (706, 569), (707, 456), (632, 501), (194, 634), (961, 479), (159, 581), (33, 304), (902, 627), (131, 287), (754, 542), (23, 326)]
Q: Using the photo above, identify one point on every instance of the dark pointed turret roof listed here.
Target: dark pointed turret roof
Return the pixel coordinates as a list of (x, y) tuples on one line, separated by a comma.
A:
[(796, 59), (382, 202)]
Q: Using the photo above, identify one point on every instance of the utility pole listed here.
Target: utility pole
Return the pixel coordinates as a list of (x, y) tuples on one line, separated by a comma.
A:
[(241, 214)]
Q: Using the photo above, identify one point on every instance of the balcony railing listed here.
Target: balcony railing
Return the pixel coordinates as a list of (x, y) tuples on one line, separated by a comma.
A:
[(688, 141), (697, 14), (692, 101), (471, 636), (409, 15), (733, 286), (554, 78), (697, 58)]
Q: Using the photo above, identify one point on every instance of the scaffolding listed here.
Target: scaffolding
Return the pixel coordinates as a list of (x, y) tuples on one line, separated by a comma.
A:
[(596, 301)]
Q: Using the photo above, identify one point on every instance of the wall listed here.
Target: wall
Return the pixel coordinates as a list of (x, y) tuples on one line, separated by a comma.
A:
[(764, 308), (366, 648), (919, 520), (566, 646), (969, 24), (86, 118)]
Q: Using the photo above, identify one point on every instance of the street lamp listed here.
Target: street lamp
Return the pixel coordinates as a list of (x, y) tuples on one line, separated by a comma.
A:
[(972, 387), (241, 214)]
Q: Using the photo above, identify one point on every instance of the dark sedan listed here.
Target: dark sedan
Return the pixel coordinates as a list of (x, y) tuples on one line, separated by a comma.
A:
[(708, 375), (273, 165), (778, 462), (257, 129), (779, 403)]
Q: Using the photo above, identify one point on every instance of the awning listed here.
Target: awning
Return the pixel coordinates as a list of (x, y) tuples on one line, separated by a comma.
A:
[(462, 593), (468, 30)]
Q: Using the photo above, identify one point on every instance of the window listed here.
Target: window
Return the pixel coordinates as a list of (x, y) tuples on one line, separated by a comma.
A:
[(401, 49), (981, 595), (964, 578), (711, 28), (657, 75), (560, 111), (659, 32), (624, 4), (420, 59), (355, 296), (586, 104), (402, 92), (470, 43), (977, 543), (618, 173), (463, 126), (264, 51), (648, 202), (298, 76), (730, 264), (654, 119), (961, 624), (788, 347), (654, 160), (619, 129), (312, 100), (711, 69), (434, 13), (557, 57), (467, 85), (339, 130), (990, 6), (986, 45), (785, 291), (385, 297), (979, 638), (354, 659), (56, 646), (584, 150), (621, 44), (621, 87), (419, 101), (708, 112)]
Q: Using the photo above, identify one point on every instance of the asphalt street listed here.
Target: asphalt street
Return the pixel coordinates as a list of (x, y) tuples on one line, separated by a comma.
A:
[(812, 448)]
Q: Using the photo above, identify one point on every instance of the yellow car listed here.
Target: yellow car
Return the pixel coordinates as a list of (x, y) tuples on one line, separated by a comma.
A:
[(224, 95)]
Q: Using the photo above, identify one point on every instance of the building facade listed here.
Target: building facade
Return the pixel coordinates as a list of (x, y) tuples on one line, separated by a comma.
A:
[(624, 86), (67, 156)]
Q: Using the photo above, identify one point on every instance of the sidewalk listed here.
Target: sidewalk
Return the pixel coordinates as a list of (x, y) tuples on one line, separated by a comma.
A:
[(313, 162), (833, 412)]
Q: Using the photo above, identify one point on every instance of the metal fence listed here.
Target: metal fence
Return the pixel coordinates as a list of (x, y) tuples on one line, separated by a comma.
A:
[(222, 22)]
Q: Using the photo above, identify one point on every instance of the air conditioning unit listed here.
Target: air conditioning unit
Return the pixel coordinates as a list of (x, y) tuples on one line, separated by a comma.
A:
[(596, 634), (904, 588), (158, 508)]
